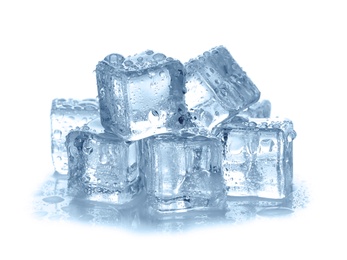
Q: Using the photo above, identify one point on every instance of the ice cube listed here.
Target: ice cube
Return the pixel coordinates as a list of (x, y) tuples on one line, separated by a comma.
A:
[(66, 115), (141, 95), (102, 167), (183, 172), (217, 88), (257, 158), (260, 109)]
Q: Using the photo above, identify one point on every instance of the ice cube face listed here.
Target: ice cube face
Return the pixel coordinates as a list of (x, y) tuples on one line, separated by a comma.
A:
[(183, 173), (66, 115), (141, 95), (257, 158), (103, 167), (217, 88), (260, 109)]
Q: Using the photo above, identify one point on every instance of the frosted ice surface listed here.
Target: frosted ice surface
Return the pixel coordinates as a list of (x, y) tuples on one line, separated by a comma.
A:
[(66, 115), (141, 95), (102, 167), (217, 88), (183, 172), (257, 158)]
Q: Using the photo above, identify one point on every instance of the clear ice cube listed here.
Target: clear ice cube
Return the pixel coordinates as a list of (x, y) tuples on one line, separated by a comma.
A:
[(102, 167), (257, 158), (183, 173), (141, 95), (260, 109), (217, 88), (66, 115)]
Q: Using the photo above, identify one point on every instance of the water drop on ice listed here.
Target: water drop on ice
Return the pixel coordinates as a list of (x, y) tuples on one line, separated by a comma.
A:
[(102, 93), (155, 113), (128, 63), (162, 74), (114, 59), (53, 199), (57, 134), (159, 57), (103, 159)]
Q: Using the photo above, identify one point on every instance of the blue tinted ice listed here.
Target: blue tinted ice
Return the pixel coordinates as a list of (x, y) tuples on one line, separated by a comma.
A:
[(183, 172), (66, 115), (261, 109), (102, 167), (257, 158), (141, 95), (217, 88)]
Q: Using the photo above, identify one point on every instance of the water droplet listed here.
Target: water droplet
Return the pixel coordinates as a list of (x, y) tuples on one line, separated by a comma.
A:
[(151, 74), (101, 93), (128, 63), (155, 113), (215, 52), (85, 179), (291, 136), (149, 52), (162, 74), (217, 81), (181, 119), (223, 92), (275, 212), (87, 148), (57, 134), (114, 59), (208, 74), (85, 128), (103, 159), (53, 199), (159, 57), (140, 59), (206, 54)]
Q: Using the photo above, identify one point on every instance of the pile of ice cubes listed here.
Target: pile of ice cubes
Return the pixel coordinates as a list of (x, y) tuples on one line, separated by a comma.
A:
[(176, 137)]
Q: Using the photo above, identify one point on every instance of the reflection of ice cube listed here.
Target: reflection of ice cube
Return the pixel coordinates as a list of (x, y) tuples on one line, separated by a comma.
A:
[(66, 115), (102, 167), (257, 157), (217, 88), (141, 95), (183, 173)]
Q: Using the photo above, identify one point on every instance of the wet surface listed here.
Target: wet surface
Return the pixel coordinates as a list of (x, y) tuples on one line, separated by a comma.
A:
[(52, 202)]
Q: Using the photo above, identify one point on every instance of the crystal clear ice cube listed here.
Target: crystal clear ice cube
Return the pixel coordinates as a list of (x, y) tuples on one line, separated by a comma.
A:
[(183, 172), (66, 115), (257, 157), (102, 167), (141, 95), (217, 88)]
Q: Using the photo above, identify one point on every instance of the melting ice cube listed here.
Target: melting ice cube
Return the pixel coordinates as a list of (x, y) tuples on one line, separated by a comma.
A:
[(217, 88), (141, 95), (183, 172), (257, 158), (66, 115)]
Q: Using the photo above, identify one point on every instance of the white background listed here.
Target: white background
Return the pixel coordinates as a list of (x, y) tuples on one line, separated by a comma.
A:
[(294, 51)]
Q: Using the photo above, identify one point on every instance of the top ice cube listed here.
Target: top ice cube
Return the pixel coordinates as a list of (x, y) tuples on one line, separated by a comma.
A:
[(217, 88), (141, 95)]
